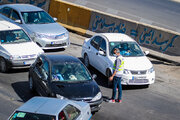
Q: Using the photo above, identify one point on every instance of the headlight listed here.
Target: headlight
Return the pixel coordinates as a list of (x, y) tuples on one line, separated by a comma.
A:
[(126, 71), (39, 35), (66, 34), (15, 57), (150, 70), (59, 96), (97, 97)]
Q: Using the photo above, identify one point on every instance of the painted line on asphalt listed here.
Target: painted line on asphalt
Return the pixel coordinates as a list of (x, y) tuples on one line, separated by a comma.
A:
[(112, 11), (81, 2), (146, 21)]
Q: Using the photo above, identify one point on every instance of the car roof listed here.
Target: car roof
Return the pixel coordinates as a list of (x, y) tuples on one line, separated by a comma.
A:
[(56, 58), (112, 37), (23, 7), (44, 105), (5, 25)]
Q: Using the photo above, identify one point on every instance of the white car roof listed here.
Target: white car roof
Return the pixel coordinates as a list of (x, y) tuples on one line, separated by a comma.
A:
[(44, 105), (117, 37), (5, 25)]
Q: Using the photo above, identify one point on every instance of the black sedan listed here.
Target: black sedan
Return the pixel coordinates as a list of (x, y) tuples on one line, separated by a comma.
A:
[(64, 77)]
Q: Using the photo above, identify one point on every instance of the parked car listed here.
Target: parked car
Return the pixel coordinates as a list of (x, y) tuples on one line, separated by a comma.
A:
[(39, 24), (16, 47), (64, 76), (138, 70), (44, 108)]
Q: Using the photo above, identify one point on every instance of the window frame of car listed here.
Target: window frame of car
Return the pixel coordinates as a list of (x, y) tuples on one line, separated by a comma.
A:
[(66, 112), (17, 13), (42, 59), (3, 13)]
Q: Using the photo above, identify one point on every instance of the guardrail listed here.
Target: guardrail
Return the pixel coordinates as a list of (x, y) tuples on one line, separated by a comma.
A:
[(81, 19)]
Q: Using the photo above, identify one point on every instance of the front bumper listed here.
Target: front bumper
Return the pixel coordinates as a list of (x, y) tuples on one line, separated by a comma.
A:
[(21, 63), (52, 43), (95, 105), (145, 79)]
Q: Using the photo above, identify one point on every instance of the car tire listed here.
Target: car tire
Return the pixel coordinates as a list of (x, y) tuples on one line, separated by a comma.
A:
[(31, 85), (3, 65), (86, 60), (108, 74)]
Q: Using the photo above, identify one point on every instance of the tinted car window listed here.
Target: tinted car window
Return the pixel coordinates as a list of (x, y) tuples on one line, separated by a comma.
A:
[(37, 17), (13, 36), (70, 72), (45, 69), (18, 115), (6, 11), (95, 42), (72, 112), (15, 15), (127, 49), (102, 45)]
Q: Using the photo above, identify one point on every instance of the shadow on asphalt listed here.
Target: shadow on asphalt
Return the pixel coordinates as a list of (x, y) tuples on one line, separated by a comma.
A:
[(22, 90), (54, 50), (18, 70)]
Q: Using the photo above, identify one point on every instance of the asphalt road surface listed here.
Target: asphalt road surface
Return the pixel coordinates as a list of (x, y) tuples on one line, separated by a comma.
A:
[(161, 101), (162, 13)]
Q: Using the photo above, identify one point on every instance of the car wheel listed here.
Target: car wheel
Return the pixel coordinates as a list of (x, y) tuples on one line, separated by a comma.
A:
[(31, 84), (108, 74), (3, 65), (86, 60)]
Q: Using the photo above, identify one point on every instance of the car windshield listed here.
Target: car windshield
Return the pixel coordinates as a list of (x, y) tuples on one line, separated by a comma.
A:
[(38, 17), (127, 49), (70, 72), (18, 115), (13, 36)]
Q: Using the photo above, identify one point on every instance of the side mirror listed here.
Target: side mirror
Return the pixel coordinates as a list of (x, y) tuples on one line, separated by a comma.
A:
[(55, 19), (146, 52), (101, 53), (18, 21), (94, 76)]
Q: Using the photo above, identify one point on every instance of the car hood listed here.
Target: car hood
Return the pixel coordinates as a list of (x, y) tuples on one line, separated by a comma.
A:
[(136, 63), (76, 91), (27, 48), (51, 28)]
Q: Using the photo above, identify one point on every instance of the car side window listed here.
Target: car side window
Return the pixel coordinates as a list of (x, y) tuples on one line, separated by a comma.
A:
[(95, 42), (6, 11), (15, 15), (102, 45), (72, 112), (45, 69)]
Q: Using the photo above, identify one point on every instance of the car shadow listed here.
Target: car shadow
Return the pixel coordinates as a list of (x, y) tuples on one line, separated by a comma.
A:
[(22, 90), (18, 70), (54, 50)]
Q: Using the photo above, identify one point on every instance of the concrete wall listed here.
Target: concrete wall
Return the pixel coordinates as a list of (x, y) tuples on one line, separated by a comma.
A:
[(44, 4), (152, 37), (76, 17), (71, 16)]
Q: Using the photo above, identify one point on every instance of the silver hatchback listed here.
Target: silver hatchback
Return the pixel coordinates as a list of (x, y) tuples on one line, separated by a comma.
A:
[(42, 28)]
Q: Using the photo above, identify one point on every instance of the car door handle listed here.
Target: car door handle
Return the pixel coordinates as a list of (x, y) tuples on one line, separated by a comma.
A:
[(89, 47), (96, 53)]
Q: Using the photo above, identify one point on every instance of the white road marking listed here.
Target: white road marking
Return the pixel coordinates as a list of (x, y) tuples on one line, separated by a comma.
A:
[(81, 2), (146, 21), (112, 11)]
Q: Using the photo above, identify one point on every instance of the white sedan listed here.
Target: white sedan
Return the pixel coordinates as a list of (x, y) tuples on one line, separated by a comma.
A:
[(98, 52), (44, 108)]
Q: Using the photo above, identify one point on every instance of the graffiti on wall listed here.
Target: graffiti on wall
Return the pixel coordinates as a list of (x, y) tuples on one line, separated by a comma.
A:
[(145, 37), (40, 3)]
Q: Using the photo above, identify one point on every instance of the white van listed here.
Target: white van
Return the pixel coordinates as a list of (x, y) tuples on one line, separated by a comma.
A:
[(16, 47)]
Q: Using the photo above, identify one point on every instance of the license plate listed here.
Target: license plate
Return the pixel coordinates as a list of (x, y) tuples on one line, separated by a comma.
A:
[(57, 42), (27, 62), (140, 77)]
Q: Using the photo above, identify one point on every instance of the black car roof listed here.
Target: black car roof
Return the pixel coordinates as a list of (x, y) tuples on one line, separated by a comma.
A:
[(57, 58)]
